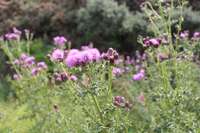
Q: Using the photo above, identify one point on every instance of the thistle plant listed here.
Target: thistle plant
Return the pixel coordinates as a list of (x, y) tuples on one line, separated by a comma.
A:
[(85, 90)]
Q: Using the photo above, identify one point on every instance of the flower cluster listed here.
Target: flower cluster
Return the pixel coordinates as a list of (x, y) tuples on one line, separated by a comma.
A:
[(77, 57), (184, 34), (111, 55), (139, 76), (196, 35), (120, 101), (152, 42), (117, 71), (155, 41), (38, 68), (16, 76), (60, 41), (26, 61), (60, 77), (57, 55), (15, 35)]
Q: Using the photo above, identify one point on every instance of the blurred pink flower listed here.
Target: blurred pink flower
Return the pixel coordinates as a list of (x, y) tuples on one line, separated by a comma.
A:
[(117, 71), (139, 76), (60, 41), (57, 55), (141, 98)]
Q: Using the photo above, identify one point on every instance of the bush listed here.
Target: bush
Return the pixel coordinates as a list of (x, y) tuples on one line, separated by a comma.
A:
[(108, 24)]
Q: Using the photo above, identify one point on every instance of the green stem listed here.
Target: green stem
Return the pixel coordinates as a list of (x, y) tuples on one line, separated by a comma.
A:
[(110, 82), (98, 109)]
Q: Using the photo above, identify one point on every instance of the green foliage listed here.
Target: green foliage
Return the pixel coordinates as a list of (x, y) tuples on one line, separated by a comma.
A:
[(103, 22)]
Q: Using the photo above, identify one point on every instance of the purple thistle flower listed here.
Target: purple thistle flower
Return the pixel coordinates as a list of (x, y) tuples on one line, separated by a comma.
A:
[(184, 35), (152, 42), (57, 55), (60, 41), (141, 98), (23, 56), (15, 35), (119, 101), (111, 55), (34, 71), (12, 36), (94, 53), (16, 31), (29, 61), (41, 65), (61, 77), (196, 36), (76, 57), (16, 62), (117, 71), (73, 78), (139, 76), (16, 77), (73, 60), (73, 52)]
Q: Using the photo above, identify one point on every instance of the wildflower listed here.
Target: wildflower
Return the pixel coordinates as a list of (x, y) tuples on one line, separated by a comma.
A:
[(144, 56), (61, 77), (23, 56), (16, 62), (16, 31), (128, 60), (16, 76), (34, 71), (73, 60), (86, 47), (94, 53), (15, 35), (119, 101), (184, 35), (12, 36), (57, 55), (73, 78), (117, 71), (25, 60), (196, 36), (29, 61), (139, 76), (41, 65), (152, 42), (141, 98), (111, 55), (73, 52), (60, 41), (77, 58)]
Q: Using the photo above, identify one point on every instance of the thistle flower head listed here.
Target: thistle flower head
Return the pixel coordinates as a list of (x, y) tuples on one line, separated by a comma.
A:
[(60, 41), (139, 76), (57, 55), (111, 55)]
